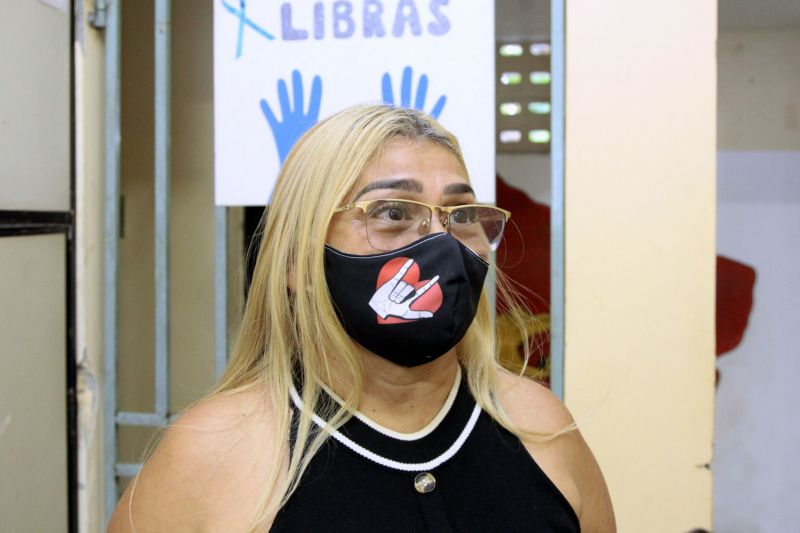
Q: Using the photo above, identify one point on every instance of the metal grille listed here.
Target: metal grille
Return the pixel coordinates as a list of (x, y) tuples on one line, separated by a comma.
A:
[(107, 16)]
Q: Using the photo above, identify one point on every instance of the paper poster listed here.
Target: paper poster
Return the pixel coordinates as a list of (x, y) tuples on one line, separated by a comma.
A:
[(280, 67)]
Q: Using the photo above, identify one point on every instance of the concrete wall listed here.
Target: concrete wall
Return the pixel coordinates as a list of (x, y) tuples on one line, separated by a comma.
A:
[(640, 193), (756, 481)]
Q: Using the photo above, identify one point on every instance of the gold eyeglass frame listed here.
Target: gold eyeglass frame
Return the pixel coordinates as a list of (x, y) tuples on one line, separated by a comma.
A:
[(363, 205)]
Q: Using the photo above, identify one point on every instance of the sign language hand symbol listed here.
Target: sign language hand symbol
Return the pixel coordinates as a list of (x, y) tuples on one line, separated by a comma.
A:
[(295, 118), (406, 90), (390, 298)]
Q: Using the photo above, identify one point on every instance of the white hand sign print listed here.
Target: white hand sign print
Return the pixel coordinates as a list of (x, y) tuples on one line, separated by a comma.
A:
[(388, 300)]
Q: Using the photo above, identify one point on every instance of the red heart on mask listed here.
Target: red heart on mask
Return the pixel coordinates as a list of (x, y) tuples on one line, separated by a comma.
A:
[(430, 301)]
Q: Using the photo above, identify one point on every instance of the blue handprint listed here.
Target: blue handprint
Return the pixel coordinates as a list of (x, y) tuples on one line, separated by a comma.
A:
[(405, 93), (295, 120)]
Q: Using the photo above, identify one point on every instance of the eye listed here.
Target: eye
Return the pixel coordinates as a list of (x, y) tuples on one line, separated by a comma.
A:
[(394, 213), (390, 212), (464, 215)]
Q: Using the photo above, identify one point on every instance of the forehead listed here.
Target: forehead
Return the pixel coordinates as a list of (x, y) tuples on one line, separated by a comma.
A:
[(432, 165)]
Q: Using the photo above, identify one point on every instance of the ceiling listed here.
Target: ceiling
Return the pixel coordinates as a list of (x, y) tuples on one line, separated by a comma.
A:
[(523, 19), (531, 18)]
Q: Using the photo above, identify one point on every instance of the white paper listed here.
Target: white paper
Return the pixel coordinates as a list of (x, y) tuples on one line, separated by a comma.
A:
[(450, 42)]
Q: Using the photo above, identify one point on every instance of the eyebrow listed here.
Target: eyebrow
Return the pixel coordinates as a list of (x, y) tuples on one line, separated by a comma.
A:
[(459, 188), (397, 184), (412, 186)]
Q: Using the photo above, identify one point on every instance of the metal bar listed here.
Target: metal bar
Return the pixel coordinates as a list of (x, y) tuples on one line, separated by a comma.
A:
[(98, 17), (110, 276), (127, 469), (32, 218), (557, 157), (220, 289), (162, 174), (36, 222), (141, 419)]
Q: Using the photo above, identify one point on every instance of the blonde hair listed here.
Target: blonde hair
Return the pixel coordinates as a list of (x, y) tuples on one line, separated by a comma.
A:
[(290, 326)]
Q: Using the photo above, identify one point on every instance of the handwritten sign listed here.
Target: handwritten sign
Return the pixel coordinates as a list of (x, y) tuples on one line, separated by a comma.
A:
[(280, 67)]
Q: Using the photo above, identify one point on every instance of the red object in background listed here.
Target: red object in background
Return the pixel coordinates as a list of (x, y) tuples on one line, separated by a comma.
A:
[(524, 256), (524, 252), (735, 282)]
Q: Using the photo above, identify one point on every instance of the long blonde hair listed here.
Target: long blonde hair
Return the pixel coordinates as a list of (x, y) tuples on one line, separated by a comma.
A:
[(289, 324)]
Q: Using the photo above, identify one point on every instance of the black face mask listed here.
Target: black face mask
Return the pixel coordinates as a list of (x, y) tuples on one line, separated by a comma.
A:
[(410, 305)]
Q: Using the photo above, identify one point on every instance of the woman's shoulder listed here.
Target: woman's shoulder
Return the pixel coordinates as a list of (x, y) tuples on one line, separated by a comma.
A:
[(531, 405), (210, 468), (565, 459)]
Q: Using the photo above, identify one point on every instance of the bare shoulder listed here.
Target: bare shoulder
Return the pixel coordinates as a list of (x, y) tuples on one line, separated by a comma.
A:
[(532, 405), (566, 459), (210, 468)]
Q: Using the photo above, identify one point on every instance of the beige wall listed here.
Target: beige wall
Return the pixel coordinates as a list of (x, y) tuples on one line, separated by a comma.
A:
[(33, 395), (640, 195), (34, 107)]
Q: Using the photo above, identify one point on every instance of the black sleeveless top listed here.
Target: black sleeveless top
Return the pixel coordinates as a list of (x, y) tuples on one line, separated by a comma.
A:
[(463, 472)]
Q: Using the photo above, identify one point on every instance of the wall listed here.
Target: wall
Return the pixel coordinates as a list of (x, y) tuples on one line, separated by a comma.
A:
[(35, 177), (528, 172), (756, 482), (33, 424), (33, 116), (640, 175), (759, 106)]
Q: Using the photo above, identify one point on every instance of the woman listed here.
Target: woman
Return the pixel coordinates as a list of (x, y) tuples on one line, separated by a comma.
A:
[(363, 393)]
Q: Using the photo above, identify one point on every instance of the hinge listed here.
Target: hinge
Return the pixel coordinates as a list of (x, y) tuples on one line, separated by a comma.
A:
[(98, 15)]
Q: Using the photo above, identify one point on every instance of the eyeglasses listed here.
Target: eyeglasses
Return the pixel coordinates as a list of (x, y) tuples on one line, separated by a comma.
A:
[(392, 224)]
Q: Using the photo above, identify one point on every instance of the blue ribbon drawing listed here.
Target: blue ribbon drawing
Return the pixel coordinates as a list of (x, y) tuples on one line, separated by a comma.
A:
[(241, 14), (295, 120), (405, 93)]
